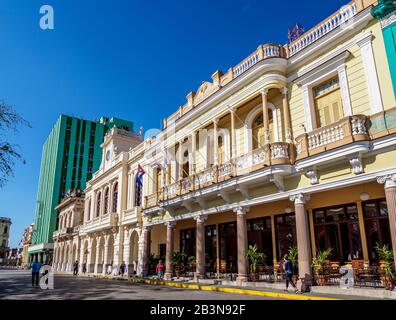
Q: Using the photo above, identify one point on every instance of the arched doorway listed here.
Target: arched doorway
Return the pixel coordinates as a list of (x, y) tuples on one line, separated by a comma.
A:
[(133, 253)]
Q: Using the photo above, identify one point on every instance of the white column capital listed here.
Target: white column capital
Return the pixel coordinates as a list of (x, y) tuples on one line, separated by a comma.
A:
[(389, 181), (232, 109), (216, 121), (299, 198), (146, 228), (201, 218), (241, 211), (284, 90), (264, 92), (170, 224)]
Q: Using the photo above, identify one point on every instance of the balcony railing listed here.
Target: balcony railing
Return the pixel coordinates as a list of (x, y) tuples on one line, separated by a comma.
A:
[(263, 52), (103, 222), (277, 153), (322, 29), (62, 232), (347, 130)]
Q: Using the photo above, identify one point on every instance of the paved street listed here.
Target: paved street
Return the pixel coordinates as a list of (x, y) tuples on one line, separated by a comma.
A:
[(16, 284)]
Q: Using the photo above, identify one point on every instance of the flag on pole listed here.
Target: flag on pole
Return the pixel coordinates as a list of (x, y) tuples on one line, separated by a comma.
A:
[(140, 175)]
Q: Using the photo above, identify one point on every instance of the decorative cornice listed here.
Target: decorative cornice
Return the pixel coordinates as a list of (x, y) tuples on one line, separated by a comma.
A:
[(388, 20)]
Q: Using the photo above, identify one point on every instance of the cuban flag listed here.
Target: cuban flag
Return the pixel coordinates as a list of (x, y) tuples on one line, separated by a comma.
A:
[(140, 175)]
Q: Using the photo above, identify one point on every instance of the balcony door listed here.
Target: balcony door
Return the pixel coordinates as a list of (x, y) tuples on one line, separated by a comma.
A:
[(328, 102)]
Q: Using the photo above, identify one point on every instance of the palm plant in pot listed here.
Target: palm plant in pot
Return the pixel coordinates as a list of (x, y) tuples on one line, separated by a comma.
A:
[(191, 261), (254, 257), (387, 266), (321, 276), (293, 256), (177, 262)]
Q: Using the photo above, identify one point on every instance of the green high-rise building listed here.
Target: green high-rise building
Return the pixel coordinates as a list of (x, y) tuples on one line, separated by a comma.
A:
[(70, 155)]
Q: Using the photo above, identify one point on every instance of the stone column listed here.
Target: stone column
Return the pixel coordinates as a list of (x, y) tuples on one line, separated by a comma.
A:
[(215, 142), (200, 246), (264, 94), (303, 242), (286, 114), (106, 254), (242, 244), (144, 252), (389, 182), (169, 249), (97, 262), (233, 134)]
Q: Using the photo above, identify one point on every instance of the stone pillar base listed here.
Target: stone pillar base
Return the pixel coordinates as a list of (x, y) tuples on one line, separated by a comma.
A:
[(304, 284), (168, 276), (241, 279), (198, 276)]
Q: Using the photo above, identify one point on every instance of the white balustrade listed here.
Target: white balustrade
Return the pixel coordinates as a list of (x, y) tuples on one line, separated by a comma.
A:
[(279, 151), (330, 24)]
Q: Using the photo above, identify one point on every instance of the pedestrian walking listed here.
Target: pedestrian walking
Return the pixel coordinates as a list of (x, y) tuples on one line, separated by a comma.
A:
[(122, 268), (36, 266), (75, 268), (160, 269), (84, 268), (288, 267)]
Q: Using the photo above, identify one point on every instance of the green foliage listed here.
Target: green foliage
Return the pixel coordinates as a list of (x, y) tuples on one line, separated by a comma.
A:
[(293, 254), (254, 257), (177, 259), (191, 260), (386, 254), (321, 256)]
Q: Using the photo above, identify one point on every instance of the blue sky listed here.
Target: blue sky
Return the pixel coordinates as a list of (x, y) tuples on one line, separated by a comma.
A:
[(129, 59)]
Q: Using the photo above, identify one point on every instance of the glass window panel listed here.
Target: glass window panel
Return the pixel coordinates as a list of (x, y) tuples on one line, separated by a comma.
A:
[(352, 213), (370, 210), (278, 222), (290, 220), (319, 217), (258, 226), (335, 214), (383, 209)]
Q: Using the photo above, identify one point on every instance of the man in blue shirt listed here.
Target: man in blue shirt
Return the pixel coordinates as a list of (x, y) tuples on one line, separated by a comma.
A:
[(288, 267), (36, 266)]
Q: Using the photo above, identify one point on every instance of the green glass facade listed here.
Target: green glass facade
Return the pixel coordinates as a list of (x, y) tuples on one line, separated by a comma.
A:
[(70, 155), (385, 12)]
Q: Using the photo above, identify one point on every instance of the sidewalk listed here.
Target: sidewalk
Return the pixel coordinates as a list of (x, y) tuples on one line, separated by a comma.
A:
[(260, 289)]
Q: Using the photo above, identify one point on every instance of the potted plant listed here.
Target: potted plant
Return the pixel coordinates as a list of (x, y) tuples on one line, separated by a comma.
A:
[(318, 265), (254, 258), (293, 256), (177, 262), (386, 266), (191, 261)]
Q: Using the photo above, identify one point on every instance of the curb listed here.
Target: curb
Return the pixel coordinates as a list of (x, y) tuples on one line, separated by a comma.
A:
[(252, 292)]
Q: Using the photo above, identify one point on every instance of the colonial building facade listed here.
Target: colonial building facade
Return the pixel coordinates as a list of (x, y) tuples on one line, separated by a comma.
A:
[(294, 146)]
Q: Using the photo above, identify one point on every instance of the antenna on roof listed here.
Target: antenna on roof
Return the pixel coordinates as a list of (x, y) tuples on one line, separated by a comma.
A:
[(295, 32)]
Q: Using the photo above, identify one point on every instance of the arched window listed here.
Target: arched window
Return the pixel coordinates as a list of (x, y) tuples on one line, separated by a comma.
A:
[(258, 130), (98, 204), (115, 197), (106, 201), (138, 192)]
